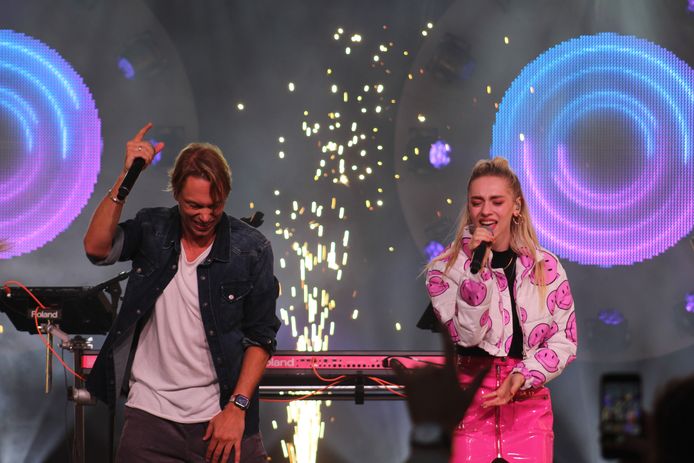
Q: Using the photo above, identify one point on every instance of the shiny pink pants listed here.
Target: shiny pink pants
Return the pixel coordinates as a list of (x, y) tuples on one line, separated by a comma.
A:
[(520, 431)]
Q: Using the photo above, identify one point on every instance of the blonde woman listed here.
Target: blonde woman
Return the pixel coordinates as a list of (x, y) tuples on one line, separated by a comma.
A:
[(516, 315)]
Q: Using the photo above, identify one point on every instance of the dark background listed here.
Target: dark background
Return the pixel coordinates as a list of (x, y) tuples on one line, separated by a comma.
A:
[(204, 59)]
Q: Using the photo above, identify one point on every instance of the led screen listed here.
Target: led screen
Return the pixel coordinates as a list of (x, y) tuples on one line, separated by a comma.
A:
[(599, 129), (50, 146)]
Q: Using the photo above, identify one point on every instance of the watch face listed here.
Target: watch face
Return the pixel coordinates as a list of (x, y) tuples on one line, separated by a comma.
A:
[(242, 401)]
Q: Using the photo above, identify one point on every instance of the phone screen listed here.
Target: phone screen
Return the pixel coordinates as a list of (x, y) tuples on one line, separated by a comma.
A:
[(620, 409)]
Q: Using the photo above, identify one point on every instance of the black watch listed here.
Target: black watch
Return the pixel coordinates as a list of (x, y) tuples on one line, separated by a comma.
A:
[(241, 401)]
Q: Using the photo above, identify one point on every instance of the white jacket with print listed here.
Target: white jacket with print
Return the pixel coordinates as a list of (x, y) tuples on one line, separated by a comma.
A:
[(476, 311)]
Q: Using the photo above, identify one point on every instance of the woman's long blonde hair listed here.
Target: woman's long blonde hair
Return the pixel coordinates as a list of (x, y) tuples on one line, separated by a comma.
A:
[(523, 236)]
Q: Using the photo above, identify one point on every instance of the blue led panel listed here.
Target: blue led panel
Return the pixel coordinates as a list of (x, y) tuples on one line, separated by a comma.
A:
[(599, 130), (51, 143)]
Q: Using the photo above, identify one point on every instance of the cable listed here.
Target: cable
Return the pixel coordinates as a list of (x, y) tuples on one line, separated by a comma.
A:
[(383, 381), (48, 345), (38, 329), (15, 282), (387, 385), (327, 380), (305, 396)]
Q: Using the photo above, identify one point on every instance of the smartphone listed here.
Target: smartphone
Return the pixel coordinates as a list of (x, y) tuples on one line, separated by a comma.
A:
[(621, 413)]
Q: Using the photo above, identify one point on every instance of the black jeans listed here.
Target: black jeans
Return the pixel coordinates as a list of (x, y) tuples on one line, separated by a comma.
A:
[(149, 439)]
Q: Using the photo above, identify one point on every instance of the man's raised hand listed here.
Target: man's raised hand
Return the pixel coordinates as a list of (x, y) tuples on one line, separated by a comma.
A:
[(139, 148)]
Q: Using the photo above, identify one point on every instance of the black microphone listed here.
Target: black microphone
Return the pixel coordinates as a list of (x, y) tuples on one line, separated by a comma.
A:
[(130, 177), (477, 256)]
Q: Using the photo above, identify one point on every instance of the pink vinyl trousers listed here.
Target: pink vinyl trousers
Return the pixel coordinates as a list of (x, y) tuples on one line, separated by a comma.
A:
[(520, 431)]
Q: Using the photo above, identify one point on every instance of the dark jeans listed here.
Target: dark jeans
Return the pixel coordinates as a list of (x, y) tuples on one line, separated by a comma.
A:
[(149, 439)]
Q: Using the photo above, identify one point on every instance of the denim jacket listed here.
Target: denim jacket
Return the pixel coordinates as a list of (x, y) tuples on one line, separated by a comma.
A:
[(236, 289)]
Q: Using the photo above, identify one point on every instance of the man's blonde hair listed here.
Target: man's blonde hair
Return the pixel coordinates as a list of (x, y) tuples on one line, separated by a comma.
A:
[(202, 160)]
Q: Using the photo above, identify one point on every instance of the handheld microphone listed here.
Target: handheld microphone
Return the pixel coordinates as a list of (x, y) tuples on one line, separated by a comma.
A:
[(130, 177), (478, 255)]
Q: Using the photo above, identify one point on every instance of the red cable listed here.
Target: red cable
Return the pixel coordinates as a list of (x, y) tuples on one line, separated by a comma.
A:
[(383, 381), (327, 380), (307, 395), (387, 385), (36, 323)]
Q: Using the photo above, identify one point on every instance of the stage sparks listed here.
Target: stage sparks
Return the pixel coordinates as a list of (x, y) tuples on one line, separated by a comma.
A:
[(343, 141)]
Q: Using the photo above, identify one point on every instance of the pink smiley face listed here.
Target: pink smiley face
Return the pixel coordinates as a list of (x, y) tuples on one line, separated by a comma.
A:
[(485, 320), (436, 284), (486, 274), (571, 330), (538, 335), (537, 378), (523, 315), (472, 292), (552, 302), (550, 267), (452, 331), (501, 280), (564, 298), (548, 359), (554, 329), (507, 345), (505, 315), (525, 260)]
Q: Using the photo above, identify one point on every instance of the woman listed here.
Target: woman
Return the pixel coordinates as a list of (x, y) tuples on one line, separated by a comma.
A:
[(516, 315)]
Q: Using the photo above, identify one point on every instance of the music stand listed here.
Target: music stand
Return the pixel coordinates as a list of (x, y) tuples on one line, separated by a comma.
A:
[(69, 310)]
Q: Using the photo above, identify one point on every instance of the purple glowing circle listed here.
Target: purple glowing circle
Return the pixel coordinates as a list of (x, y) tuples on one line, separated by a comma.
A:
[(126, 68), (689, 302), (158, 156), (433, 249), (611, 317), (53, 132), (440, 154), (156, 159), (598, 129), (690, 6)]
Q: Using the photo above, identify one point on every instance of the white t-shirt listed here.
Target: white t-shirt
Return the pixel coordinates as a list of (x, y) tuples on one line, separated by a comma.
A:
[(172, 375)]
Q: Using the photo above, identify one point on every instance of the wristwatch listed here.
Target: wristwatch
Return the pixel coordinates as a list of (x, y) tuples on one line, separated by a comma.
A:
[(241, 401)]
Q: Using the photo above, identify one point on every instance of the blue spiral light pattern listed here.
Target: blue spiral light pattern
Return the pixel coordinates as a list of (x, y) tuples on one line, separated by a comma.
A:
[(51, 143), (599, 130)]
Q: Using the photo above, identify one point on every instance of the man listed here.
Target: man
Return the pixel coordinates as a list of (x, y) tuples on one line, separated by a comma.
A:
[(197, 323)]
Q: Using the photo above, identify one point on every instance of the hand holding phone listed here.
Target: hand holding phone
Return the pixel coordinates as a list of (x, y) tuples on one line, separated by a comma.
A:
[(621, 415)]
